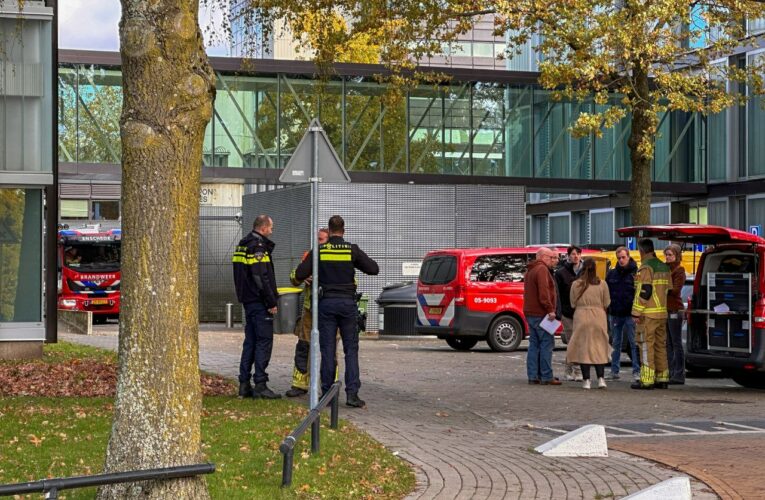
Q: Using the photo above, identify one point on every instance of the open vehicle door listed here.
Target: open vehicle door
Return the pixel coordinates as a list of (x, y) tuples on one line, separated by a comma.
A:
[(691, 233)]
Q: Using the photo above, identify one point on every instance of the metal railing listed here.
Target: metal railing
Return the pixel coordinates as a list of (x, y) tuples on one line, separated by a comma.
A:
[(314, 420), (51, 487)]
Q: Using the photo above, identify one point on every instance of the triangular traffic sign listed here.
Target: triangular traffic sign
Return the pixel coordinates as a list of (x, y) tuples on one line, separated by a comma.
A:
[(330, 167)]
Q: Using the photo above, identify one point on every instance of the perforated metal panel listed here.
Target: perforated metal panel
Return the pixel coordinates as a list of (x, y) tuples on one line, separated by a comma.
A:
[(219, 232), (394, 224)]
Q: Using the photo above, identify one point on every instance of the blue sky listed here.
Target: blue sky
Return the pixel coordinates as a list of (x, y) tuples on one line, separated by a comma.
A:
[(93, 25)]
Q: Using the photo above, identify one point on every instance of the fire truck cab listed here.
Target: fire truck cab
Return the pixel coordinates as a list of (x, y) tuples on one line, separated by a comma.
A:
[(89, 271)]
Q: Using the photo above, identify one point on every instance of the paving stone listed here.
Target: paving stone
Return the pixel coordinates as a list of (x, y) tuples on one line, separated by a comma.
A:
[(465, 421)]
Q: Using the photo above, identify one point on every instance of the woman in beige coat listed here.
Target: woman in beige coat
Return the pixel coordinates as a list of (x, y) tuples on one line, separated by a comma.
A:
[(589, 343)]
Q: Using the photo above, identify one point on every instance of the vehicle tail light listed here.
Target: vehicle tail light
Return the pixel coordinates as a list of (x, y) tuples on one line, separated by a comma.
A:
[(749, 366), (459, 295), (759, 314)]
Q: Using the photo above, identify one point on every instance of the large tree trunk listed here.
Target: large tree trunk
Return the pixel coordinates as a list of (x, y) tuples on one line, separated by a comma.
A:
[(169, 88), (641, 148)]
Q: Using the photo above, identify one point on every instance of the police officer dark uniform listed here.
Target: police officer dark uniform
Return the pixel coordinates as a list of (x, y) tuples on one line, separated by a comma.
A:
[(300, 373), (256, 289), (338, 260)]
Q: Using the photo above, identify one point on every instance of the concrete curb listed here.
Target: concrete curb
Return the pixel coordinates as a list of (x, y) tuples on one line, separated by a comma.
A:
[(587, 441), (677, 488)]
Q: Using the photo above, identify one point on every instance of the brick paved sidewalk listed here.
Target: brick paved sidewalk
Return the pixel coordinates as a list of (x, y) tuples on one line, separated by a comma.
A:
[(458, 448)]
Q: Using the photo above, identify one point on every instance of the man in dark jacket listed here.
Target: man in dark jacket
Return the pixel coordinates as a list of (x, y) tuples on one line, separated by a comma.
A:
[(540, 301), (256, 289), (564, 276), (621, 287)]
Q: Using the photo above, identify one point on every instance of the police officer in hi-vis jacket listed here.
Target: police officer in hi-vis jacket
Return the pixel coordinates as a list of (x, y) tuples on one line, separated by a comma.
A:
[(338, 261), (256, 289), (301, 377)]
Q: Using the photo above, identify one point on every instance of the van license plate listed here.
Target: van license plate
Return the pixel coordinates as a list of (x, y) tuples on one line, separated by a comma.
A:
[(435, 310), (98, 302)]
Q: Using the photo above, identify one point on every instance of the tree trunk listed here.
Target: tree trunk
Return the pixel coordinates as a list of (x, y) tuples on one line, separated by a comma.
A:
[(641, 148), (168, 90)]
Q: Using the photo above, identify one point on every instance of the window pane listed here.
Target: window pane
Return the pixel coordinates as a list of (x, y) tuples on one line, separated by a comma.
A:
[(488, 129), (483, 49), (106, 210), (438, 270), (500, 268), (755, 125), (718, 151), (601, 227), (756, 212), (717, 213), (20, 235), (74, 209), (559, 229)]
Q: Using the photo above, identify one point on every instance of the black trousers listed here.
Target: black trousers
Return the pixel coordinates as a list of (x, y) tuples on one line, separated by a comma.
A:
[(302, 349), (675, 353), (599, 370)]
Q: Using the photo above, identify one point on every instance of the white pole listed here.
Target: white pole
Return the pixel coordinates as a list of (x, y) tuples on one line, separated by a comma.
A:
[(315, 375)]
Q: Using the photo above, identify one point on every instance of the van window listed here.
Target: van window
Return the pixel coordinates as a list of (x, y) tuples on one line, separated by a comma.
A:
[(499, 268), (438, 270)]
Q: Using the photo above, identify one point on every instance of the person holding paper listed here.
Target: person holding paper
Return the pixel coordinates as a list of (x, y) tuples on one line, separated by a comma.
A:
[(540, 302), (675, 354), (589, 342)]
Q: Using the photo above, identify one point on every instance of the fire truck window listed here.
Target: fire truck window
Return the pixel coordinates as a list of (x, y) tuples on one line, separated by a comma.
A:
[(72, 256), (499, 268)]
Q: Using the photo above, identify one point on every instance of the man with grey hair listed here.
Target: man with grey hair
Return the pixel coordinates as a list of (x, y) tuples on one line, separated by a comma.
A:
[(540, 301)]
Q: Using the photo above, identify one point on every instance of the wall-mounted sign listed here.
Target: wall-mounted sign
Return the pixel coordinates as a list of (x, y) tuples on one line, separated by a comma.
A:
[(411, 268), (221, 195)]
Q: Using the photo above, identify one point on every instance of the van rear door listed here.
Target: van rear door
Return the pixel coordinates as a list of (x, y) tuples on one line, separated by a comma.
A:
[(691, 233), (436, 290)]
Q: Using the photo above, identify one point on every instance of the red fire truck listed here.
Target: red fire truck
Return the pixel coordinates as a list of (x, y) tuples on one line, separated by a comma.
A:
[(89, 271)]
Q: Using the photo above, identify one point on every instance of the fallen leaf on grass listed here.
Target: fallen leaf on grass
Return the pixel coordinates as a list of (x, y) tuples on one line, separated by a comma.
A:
[(35, 440)]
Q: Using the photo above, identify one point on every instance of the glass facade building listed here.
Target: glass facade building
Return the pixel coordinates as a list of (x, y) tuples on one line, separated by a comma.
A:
[(496, 127), (26, 165)]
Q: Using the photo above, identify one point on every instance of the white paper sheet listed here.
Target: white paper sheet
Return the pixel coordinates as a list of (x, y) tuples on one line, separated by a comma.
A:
[(722, 308), (550, 326)]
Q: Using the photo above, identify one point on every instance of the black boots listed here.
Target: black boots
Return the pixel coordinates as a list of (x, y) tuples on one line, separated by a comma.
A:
[(295, 392), (245, 390), (354, 401), (639, 386), (261, 390)]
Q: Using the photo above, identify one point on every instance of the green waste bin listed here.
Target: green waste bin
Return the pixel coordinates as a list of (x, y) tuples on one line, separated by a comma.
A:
[(288, 309), (362, 318)]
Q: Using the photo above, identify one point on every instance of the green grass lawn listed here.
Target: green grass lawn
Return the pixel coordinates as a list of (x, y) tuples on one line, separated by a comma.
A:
[(56, 437)]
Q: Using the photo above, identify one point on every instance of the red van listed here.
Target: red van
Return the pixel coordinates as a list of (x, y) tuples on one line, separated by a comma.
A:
[(726, 310), (469, 294)]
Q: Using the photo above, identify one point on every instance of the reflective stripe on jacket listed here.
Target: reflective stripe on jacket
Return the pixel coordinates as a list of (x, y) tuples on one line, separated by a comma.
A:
[(254, 276), (338, 261), (651, 286)]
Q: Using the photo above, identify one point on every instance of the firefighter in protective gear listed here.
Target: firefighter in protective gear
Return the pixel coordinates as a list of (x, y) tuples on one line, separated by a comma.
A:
[(301, 371), (338, 261), (649, 310)]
